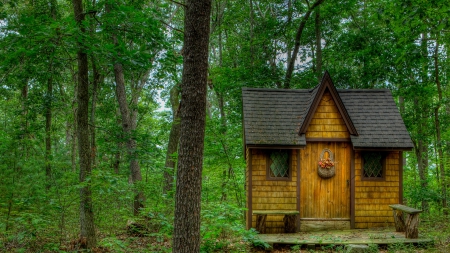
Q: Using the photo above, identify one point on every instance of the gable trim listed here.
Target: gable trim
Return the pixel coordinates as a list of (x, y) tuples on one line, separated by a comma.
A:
[(325, 84)]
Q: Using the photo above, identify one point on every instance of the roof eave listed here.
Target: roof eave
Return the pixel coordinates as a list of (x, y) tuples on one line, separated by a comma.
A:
[(382, 148), (275, 146)]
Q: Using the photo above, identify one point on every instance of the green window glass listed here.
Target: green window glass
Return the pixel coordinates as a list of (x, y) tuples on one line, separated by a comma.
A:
[(279, 164), (373, 165)]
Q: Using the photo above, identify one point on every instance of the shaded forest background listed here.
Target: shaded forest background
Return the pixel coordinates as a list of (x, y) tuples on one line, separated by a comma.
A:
[(135, 56)]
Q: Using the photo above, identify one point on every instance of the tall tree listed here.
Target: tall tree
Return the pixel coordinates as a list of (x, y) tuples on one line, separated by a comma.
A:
[(192, 113), (87, 232), (48, 104), (298, 36), (174, 137), (318, 33)]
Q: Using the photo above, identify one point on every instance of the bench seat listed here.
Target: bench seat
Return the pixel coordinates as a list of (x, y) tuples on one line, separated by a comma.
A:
[(411, 226), (290, 219)]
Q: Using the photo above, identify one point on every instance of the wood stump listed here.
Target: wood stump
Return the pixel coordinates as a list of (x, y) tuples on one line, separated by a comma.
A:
[(412, 226), (290, 223), (399, 221), (261, 223)]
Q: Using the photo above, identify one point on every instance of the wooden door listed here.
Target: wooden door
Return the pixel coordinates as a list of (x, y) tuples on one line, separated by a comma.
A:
[(325, 199)]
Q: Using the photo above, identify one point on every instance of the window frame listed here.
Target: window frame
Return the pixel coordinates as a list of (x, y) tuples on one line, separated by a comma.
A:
[(269, 161), (383, 167)]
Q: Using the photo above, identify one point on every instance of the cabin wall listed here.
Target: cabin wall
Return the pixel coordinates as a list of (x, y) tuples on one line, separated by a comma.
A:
[(271, 194), (247, 185), (372, 198), (327, 121)]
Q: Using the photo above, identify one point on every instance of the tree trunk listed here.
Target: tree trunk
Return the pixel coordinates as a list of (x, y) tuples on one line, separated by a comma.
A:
[(48, 109), (318, 32), (174, 137), (186, 237), (252, 25), (25, 135), (298, 36), (96, 79), (421, 150), (129, 122), (87, 231), (127, 127), (438, 128), (48, 128)]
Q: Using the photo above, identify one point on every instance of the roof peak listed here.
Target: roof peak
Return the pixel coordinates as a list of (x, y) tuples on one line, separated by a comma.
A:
[(317, 93)]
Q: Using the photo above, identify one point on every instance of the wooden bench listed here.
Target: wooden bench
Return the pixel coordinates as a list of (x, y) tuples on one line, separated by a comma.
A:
[(290, 219), (410, 227)]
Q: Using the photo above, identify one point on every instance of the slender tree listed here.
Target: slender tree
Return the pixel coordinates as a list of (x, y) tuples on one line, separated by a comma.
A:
[(174, 137), (192, 112), (298, 36), (87, 231), (318, 33)]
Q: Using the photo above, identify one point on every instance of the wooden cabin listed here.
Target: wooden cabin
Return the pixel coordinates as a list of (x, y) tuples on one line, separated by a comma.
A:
[(332, 155)]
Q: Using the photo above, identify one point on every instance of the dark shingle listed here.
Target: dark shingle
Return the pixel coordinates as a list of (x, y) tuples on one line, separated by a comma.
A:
[(274, 116)]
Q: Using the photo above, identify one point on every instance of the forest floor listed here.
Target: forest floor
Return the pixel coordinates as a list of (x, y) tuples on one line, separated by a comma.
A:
[(437, 228)]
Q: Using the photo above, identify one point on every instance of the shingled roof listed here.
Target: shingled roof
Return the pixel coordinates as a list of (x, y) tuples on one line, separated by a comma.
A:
[(275, 117)]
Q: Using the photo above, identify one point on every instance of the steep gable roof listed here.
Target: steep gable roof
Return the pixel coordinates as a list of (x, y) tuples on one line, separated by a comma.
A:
[(316, 95), (276, 117)]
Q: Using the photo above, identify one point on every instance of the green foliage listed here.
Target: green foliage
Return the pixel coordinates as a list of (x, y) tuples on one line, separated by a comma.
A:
[(221, 225), (378, 44)]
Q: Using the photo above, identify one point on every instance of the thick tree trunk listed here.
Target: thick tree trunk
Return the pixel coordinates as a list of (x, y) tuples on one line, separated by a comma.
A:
[(298, 36), (186, 236), (87, 231), (174, 137)]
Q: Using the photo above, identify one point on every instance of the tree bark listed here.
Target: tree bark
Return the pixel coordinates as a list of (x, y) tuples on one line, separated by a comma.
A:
[(186, 236), (87, 231), (298, 36), (174, 137)]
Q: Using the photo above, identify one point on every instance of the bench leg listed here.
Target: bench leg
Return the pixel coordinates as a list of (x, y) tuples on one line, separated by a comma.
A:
[(261, 223), (290, 223), (399, 221), (412, 226)]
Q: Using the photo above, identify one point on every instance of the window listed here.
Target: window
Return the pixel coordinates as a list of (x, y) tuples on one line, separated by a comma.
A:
[(373, 164), (278, 165)]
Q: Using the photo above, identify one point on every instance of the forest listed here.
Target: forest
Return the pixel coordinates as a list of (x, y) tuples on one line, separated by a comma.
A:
[(92, 102)]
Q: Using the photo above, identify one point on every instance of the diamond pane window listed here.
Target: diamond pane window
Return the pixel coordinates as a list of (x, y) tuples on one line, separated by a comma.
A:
[(373, 165), (279, 164)]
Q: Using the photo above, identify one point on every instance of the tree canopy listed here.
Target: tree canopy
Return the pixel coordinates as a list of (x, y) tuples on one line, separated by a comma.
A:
[(108, 125)]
